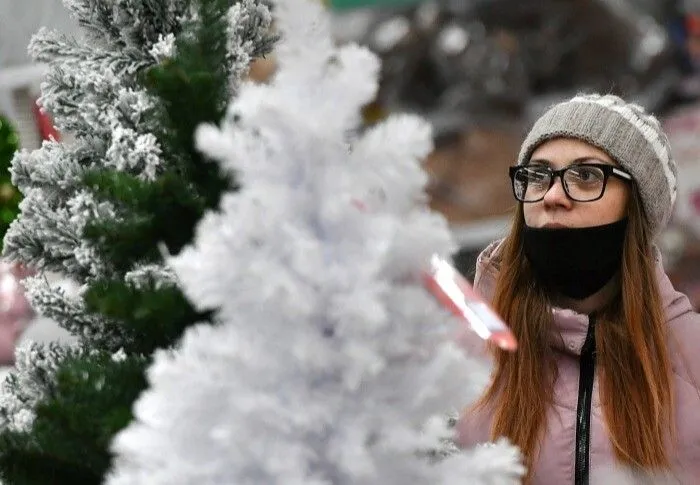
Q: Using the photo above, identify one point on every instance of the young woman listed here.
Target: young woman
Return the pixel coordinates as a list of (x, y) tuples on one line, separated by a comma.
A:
[(605, 373)]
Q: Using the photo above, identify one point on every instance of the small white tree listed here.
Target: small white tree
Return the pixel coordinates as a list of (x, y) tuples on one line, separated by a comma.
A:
[(330, 363)]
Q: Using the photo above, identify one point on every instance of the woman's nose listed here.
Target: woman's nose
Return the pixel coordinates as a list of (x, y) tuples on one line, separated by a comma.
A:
[(556, 195)]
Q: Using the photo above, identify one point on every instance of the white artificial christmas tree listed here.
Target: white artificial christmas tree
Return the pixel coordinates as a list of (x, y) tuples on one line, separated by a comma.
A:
[(330, 363)]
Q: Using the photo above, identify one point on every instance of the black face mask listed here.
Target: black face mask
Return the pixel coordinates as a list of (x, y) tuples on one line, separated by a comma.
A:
[(575, 262)]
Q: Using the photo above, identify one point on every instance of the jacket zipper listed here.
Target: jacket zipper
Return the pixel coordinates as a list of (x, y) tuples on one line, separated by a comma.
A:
[(583, 410)]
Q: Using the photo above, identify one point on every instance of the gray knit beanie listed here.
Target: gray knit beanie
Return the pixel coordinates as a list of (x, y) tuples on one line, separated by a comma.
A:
[(629, 135)]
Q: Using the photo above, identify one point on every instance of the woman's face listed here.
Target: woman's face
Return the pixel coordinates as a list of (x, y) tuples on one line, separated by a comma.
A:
[(556, 209)]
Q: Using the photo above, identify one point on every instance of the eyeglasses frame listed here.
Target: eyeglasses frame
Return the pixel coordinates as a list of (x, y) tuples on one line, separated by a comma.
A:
[(608, 171)]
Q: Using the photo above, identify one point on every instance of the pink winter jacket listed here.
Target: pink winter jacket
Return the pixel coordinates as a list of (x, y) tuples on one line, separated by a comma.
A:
[(556, 460)]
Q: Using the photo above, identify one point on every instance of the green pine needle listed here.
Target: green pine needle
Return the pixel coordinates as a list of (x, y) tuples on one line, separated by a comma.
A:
[(84, 409), (154, 316)]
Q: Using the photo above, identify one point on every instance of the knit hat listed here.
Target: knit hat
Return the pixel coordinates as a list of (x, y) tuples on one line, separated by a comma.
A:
[(628, 134)]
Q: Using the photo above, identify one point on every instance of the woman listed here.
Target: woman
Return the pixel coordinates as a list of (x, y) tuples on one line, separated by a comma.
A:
[(604, 374)]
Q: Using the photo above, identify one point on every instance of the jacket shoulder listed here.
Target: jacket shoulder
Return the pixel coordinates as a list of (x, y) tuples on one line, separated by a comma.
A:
[(487, 266), (684, 335), (683, 331)]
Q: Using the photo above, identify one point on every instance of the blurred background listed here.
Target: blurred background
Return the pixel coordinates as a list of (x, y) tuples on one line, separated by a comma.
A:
[(481, 71)]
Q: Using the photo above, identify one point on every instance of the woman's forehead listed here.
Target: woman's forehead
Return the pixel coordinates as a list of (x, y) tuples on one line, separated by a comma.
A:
[(562, 151)]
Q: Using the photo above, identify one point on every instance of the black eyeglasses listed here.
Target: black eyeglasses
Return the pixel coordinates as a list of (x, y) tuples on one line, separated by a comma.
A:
[(581, 182)]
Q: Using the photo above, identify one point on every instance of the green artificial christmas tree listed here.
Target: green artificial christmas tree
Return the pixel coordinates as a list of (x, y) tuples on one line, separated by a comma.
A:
[(106, 208), (9, 195)]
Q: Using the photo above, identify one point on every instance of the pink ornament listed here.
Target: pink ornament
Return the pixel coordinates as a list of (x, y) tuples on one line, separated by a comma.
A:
[(457, 295), (15, 310)]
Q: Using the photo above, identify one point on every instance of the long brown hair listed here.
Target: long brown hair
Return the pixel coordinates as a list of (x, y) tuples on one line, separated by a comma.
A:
[(632, 356)]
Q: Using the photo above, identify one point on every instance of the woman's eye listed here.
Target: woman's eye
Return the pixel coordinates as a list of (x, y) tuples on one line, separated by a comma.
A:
[(537, 175), (588, 174)]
